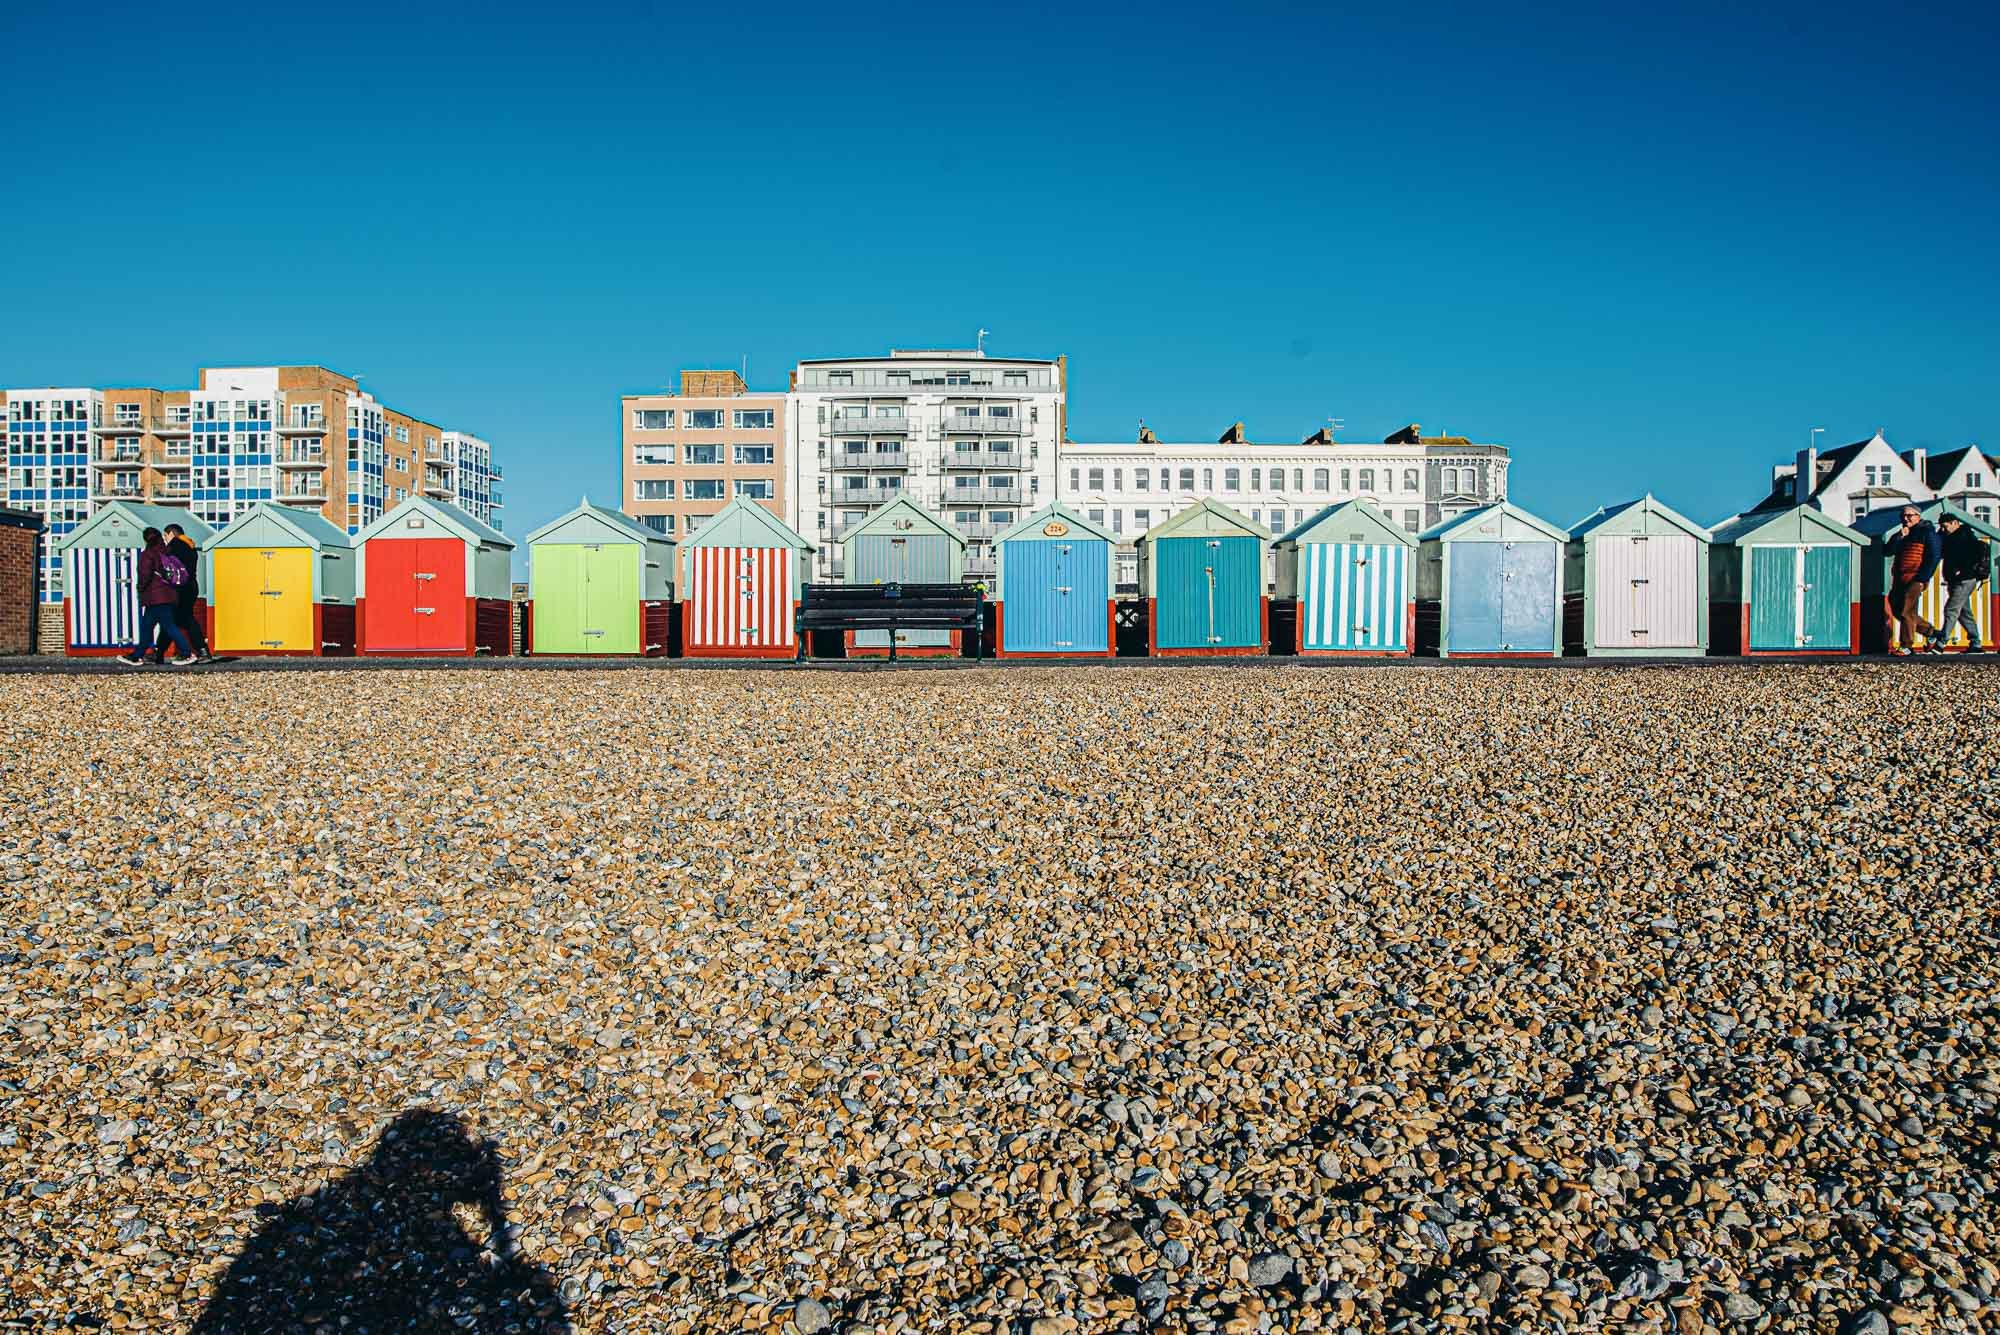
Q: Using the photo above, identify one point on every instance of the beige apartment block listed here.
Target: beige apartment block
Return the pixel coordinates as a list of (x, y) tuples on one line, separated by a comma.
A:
[(685, 455)]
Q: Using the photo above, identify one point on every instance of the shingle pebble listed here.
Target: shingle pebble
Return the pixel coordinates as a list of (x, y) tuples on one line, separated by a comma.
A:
[(1031, 1000)]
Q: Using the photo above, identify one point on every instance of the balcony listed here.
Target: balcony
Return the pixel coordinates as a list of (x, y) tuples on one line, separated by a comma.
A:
[(982, 566), (110, 457), (989, 494), (173, 426), (840, 425), (863, 496), (127, 426), (979, 530), (297, 457), (303, 495), (984, 458), (311, 428), (438, 490), (984, 426), (898, 459), (174, 463), (117, 491), (172, 496)]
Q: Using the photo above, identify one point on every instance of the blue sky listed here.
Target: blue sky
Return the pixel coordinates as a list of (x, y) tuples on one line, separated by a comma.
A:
[(1645, 251)]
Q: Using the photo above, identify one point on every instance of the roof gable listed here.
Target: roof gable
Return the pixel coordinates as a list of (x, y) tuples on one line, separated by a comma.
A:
[(447, 516), (1335, 523), (1032, 525), (1628, 516), (585, 515), (902, 517), (1877, 522), (139, 518), (308, 527), (721, 528), (1458, 525), (1760, 527), (1206, 515)]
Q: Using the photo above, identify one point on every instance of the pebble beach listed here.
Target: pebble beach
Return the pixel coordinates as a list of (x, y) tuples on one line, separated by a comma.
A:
[(1032, 1001)]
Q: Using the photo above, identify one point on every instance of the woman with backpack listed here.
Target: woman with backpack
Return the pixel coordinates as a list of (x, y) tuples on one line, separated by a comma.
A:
[(160, 577)]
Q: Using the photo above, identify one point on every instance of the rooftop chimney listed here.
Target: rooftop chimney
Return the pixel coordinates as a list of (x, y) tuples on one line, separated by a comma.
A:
[(1323, 436), (1805, 477), (1234, 436)]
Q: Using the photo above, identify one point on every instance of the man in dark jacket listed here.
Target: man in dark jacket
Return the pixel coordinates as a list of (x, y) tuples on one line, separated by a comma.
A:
[(1914, 552), (1967, 562), (181, 547), (157, 594)]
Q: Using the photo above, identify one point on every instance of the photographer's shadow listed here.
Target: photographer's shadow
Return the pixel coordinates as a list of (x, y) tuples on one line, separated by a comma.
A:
[(382, 1249)]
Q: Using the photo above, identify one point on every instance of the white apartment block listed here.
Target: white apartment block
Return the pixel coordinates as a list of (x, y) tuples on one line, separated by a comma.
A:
[(1872, 474), (49, 464), (1416, 480), (964, 435), (468, 478)]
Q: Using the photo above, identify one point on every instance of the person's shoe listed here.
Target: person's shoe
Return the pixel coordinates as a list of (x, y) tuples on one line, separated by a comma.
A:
[(132, 660), (183, 660), (1934, 647), (1898, 651)]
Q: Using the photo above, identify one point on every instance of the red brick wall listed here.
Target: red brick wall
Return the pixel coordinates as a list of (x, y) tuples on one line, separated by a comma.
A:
[(18, 589)]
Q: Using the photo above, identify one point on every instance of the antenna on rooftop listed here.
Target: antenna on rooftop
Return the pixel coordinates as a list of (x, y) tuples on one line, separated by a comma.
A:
[(1334, 424), (980, 343)]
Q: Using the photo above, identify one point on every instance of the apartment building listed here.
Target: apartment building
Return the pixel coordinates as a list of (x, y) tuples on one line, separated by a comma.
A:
[(684, 455), (962, 434), (1417, 480), (303, 435), (1850, 480)]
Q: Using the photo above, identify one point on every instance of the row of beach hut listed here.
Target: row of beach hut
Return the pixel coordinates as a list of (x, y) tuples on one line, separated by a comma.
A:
[(429, 580)]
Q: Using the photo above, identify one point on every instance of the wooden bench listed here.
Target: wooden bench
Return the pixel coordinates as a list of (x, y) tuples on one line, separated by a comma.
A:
[(891, 607)]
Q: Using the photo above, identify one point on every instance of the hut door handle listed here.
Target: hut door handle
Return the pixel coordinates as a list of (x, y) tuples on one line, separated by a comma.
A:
[(593, 632), (424, 611), (272, 593), (422, 575), (1062, 588)]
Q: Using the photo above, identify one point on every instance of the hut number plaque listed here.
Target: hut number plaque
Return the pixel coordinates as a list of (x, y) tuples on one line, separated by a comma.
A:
[(1055, 528)]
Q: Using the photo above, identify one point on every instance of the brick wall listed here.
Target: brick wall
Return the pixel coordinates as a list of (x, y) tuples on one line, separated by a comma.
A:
[(18, 588)]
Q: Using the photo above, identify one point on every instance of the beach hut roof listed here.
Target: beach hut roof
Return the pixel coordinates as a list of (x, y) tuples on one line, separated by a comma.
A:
[(446, 514), (1645, 503), (1744, 527), (899, 518), (1512, 511), (1321, 526), (1033, 525), (623, 523), (310, 527), (1877, 522), (1205, 510), (744, 511), (142, 517)]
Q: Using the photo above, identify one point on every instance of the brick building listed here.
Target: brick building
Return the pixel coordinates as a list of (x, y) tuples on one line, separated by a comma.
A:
[(20, 579)]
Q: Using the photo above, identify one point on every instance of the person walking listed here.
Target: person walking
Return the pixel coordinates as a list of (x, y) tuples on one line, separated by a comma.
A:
[(1967, 563), (160, 576), (181, 547), (1914, 551)]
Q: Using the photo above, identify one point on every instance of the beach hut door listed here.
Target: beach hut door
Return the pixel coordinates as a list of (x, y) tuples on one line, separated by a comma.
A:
[(103, 597), (1208, 571)]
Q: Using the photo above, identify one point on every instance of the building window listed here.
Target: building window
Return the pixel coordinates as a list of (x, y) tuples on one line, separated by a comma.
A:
[(1075, 480), (1323, 479), (1975, 480), (1117, 521), (1117, 479), (653, 456), (1187, 479), (403, 435), (840, 377), (1097, 479), (757, 489), (1367, 479), (1277, 521), (701, 454), (703, 419), (1411, 519), (703, 489), (1096, 516), (756, 419), (1860, 509), (658, 523), (1346, 480), (1141, 477), (1000, 517), (1232, 479), (125, 414), (1256, 479), (1983, 513), (755, 455), (653, 489), (1410, 482), (1141, 519), (1014, 378), (653, 419)]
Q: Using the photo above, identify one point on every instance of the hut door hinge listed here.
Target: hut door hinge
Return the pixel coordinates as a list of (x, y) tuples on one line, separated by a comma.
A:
[(1065, 644)]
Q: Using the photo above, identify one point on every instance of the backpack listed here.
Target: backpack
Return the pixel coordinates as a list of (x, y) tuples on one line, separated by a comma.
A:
[(172, 571)]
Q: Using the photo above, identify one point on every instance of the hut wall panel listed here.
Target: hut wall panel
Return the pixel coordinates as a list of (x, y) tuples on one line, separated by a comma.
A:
[(1774, 588), (1673, 596), (1621, 591), (491, 627), (336, 630), (923, 558), (739, 601), (1529, 594), (1055, 596), (1189, 568), (1478, 597), (416, 596), (263, 600), (103, 597), (1356, 597), (589, 600)]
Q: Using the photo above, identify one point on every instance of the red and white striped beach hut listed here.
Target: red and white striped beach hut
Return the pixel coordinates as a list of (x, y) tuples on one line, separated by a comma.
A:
[(740, 578)]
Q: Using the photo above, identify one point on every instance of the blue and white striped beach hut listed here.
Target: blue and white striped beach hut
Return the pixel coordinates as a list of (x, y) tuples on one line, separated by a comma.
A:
[(100, 561), (1349, 570)]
